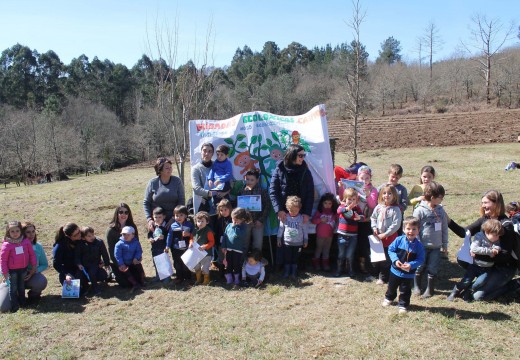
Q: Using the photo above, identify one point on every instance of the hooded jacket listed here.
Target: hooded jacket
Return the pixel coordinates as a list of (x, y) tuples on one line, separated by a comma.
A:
[(430, 237)]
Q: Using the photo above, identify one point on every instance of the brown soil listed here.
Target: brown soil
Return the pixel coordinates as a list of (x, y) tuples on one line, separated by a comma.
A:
[(498, 126)]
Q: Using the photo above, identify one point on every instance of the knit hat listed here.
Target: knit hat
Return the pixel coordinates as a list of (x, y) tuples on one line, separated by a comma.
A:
[(364, 169), (128, 230)]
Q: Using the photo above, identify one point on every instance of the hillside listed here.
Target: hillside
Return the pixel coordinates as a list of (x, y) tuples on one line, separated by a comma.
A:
[(491, 126)]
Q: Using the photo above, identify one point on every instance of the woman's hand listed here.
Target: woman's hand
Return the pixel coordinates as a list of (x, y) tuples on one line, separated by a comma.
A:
[(29, 274), (150, 224), (68, 279), (305, 219), (282, 215)]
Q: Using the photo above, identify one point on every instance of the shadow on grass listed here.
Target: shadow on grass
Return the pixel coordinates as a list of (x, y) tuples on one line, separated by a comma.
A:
[(56, 304), (452, 312)]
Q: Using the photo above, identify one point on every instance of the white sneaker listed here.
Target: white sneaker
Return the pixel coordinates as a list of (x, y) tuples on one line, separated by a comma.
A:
[(402, 310), (380, 282), (386, 303)]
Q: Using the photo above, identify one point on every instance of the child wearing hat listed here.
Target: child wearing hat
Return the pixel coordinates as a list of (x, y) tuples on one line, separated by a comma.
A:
[(129, 254)]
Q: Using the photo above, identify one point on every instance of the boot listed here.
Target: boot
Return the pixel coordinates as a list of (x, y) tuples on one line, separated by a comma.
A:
[(198, 277), (206, 279), (339, 266), (325, 264), (417, 284), (237, 279), (454, 293), (286, 271), (429, 288), (229, 278), (316, 264)]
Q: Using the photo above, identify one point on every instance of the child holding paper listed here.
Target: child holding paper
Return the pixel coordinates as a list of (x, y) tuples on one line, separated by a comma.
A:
[(406, 254), (385, 222), (91, 256), (233, 242), (256, 228), (179, 236), (204, 239), (157, 237)]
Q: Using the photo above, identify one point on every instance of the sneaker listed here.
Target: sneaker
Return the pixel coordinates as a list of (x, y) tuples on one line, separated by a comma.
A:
[(386, 303), (402, 310), (369, 278), (380, 282), (510, 166)]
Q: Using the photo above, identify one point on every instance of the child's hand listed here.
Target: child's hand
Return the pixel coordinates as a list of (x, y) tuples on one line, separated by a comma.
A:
[(494, 252), (305, 245), (160, 237), (381, 236), (279, 242), (356, 217), (68, 279), (323, 219), (216, 183), (259, 282), (399, 264), (202, 248), (210, 183), (151, 240), (186, 233), (123, 268), (406, 267), (166, 250), (136, 262), (305, 219), (224, 262), (375, 232), (80, 267), (190, 245)]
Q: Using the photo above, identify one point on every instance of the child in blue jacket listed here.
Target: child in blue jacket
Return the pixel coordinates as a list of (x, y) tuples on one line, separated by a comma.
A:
[(129, 254), (406, 254)]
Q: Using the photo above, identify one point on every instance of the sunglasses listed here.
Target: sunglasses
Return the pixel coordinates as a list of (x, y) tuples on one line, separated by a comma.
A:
[(123, 212), (302, 156)]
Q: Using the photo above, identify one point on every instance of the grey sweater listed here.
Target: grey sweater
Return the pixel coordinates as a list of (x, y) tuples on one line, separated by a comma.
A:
[(293, 231), (167, 196), (199, 175), (432, 238)]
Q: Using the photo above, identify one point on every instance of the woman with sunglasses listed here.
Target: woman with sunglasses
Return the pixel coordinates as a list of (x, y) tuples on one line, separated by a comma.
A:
[(122, 217), (165, 191), (64, 251), (291, 177)]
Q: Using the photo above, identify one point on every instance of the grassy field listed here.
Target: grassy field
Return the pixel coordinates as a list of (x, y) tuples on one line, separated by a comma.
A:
[(318, 317)]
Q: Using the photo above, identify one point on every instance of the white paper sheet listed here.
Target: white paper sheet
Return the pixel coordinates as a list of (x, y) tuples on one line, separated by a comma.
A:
[(377, 252), (463, 253), (163, 265), (192, 256)]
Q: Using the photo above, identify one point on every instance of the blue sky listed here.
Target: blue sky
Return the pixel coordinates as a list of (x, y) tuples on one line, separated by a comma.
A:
[(116, 29)]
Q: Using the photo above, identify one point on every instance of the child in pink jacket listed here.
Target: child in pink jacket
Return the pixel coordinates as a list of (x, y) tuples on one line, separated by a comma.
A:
[(326, 219), (16, 255)]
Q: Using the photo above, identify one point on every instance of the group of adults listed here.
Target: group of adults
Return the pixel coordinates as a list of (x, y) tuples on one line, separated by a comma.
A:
[(290, 177)]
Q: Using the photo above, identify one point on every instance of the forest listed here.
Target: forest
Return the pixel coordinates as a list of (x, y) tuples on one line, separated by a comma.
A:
[(94, 115)]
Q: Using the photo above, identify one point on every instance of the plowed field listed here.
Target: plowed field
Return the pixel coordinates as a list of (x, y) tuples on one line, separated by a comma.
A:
[(429, 130)]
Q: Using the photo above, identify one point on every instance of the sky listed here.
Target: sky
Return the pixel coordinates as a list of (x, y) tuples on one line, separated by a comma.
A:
[(118, 29)]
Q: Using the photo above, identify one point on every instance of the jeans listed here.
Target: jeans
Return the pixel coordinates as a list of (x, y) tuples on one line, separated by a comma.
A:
[(431, 262), (496, 283), (347, 247), (36, 284), (17, 288), (255, 236), (473, 271)]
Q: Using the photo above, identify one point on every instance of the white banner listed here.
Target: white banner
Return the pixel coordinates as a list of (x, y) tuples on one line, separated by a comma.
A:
[(259, 139)]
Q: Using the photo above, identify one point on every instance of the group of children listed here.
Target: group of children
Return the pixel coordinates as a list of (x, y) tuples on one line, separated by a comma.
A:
[(233, 238)]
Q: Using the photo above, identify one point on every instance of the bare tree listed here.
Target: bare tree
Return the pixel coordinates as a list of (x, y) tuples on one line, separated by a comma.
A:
[(433, 43), (183, 93), (488, 37), (354, 79)]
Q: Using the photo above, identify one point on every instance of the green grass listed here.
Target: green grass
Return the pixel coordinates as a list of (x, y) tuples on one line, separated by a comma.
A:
[(319, 317)]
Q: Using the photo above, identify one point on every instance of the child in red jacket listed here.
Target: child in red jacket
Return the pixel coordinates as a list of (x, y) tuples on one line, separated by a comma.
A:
[(16, 255)]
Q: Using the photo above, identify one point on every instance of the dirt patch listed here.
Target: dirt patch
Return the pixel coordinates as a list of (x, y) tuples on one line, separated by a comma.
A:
[(498, 126)]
